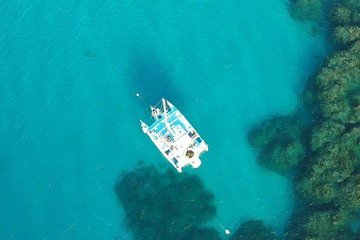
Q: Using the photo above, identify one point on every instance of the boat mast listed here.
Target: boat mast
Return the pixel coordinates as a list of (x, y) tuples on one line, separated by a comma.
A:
[(164, 106)]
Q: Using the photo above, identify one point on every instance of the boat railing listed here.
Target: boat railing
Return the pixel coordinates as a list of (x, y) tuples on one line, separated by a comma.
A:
[(158, 121)]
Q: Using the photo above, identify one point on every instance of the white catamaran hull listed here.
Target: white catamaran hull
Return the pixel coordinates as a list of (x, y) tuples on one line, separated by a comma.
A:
[(174, 136)]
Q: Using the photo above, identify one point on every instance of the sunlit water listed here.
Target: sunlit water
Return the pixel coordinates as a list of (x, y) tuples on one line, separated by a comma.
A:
[(69, 117)]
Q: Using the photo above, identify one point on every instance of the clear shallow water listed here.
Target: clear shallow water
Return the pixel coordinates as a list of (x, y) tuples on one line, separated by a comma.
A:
[(69, 115)]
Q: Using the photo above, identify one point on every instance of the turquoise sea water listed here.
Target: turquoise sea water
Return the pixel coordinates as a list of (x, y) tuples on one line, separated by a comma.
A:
[(69, 117)]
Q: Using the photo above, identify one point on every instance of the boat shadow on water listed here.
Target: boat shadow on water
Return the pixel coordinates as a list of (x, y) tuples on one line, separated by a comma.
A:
[(151, 79)]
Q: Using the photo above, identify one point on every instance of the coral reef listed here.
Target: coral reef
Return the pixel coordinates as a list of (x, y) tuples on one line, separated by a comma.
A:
[(325, 132), (329, 167), (336, 137), (346, 34), (165, 205), (253, 230), (306, 10), (320, 224), (336, 85), (283, 127), (279, 140), (341, 15), (351, 3), (348, 194), (346, 19), (328, 184)]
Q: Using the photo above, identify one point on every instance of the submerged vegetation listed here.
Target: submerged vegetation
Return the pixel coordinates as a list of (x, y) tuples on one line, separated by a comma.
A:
[(327, 183), (309, 10), (279, 140), (253, 230), (345, 35), (165, 205), (320, 224)]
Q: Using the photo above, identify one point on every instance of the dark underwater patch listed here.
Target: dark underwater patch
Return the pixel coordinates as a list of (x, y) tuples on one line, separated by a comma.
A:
[(151, 78), (165, 205), (279, 141), (253, 230), (330, 183)]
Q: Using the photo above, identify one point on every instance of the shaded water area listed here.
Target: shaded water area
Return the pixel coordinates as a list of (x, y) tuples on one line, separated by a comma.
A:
[(69, 117)]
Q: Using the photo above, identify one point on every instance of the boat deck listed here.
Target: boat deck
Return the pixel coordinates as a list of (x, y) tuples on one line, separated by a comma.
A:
[(175, 137)]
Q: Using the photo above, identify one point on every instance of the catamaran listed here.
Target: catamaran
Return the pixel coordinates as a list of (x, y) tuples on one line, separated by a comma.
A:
[(174, 136)]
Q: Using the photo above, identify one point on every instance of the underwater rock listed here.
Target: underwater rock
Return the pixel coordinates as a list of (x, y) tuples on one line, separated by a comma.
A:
[(253, 230), (279, 140), (165, 205)]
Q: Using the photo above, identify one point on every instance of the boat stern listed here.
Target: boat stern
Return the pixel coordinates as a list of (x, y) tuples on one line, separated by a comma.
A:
[(196, 163)]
